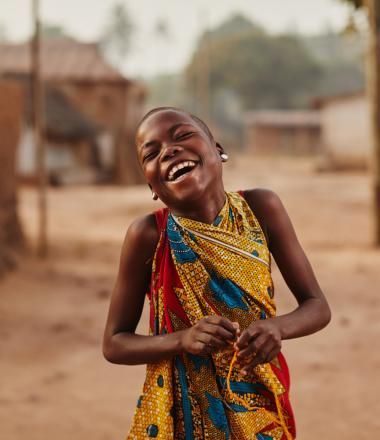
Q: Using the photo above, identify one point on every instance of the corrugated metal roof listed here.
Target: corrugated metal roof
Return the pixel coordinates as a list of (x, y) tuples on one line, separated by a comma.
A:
[(283, 117), (62, 59)]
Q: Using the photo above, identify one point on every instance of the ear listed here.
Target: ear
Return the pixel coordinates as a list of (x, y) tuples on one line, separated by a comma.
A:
[(219, 148)]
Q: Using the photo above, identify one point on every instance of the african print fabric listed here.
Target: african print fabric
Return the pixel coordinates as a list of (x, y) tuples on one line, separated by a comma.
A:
[(201, 270)]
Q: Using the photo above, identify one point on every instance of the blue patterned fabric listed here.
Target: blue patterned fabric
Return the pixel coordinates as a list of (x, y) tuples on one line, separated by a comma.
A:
[(199, 361), (186, 406), (227, 291), (182, 252), (217, 414)]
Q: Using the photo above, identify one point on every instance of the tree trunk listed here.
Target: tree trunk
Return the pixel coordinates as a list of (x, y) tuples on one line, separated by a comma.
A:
[(373, 90), (11, 237)]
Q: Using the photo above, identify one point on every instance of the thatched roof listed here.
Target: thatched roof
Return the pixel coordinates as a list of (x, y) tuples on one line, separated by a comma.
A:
[(61, 59), (63, 121)]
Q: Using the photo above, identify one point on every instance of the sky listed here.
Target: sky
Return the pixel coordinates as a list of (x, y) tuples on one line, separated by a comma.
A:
[(186, 19)]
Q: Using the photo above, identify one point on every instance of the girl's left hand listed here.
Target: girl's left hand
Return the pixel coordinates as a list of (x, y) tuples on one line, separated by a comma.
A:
[(258, 344)]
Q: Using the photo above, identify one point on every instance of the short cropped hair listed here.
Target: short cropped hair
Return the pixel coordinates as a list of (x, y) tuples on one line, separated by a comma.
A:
[(199, 121)]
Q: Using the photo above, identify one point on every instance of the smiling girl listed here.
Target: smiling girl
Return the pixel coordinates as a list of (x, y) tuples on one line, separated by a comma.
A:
[(214, 363)]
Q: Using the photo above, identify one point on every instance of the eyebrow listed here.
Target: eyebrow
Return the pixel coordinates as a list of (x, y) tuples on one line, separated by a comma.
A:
[(171, 131), (147, 145), (174, 127)]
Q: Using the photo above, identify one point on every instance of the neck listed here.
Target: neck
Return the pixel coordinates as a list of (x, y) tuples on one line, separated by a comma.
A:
[(203, 210)]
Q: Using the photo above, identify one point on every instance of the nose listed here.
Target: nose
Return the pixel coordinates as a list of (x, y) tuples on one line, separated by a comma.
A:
[(170, 151)]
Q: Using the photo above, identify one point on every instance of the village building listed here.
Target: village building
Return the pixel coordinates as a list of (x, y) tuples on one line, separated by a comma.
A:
[(346, 131), (91, 111), (287, 132), (11, 236)]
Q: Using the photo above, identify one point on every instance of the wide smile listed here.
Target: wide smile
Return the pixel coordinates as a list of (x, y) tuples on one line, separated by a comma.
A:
[(180, 171)]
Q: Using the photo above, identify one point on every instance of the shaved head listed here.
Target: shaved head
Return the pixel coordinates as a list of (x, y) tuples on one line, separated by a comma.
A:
[(198, 121)]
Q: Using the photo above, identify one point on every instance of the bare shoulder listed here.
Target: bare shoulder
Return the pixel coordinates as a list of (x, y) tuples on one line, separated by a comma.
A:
[(267, 207), (144, 230), (141, 238), (263, 199)]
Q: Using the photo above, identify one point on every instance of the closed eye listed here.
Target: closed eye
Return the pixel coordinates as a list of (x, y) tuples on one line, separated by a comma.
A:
[(184, 135), (150, 155)]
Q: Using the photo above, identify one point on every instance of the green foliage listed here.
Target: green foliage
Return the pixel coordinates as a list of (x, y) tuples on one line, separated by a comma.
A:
[(357, 4), (117, 36), (342, 60), (53, 31), (237, 25), (283, 71), (264, 71), (165, 90)]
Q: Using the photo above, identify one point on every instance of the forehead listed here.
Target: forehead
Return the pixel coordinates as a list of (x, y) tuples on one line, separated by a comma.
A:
[(162, 122)]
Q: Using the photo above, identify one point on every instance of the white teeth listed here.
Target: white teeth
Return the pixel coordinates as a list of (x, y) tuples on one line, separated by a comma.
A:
[(188, 163)]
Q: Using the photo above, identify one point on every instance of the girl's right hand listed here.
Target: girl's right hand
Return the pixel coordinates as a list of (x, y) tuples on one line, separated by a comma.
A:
[(209, 335)]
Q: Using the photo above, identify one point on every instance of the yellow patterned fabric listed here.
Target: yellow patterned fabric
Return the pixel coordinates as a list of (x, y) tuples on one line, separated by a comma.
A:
[(201, 270)]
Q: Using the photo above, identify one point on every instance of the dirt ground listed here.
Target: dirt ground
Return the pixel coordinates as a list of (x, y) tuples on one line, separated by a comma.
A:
[(55, 382)]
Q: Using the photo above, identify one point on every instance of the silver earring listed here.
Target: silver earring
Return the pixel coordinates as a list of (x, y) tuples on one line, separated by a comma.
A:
[(154, 196), (224, 157)]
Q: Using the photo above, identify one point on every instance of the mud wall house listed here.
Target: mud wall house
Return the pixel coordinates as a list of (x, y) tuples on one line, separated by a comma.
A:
[(11, 110), (97, 91), (346, 132), (72, 153), (282, 132)]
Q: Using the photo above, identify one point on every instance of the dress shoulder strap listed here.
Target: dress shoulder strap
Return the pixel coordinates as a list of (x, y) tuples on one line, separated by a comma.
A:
[(161, 218)]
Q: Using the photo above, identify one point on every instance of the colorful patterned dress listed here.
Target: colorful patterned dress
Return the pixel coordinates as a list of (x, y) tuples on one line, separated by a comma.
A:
[(201, 270)]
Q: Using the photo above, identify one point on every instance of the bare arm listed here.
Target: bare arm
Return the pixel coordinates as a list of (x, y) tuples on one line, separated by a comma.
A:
[(121, 345), (313, 312)]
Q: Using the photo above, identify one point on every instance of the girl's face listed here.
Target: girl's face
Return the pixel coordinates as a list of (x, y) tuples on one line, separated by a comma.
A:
[(179, 160)]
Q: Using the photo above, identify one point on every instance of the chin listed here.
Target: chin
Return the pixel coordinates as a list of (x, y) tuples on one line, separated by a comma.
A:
[(191, 192)]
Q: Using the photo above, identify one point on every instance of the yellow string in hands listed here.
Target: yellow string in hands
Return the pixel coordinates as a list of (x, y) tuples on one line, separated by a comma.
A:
[(280, 420)]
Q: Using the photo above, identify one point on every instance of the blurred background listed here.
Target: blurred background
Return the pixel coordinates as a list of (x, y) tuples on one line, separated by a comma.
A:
[(290, 88)]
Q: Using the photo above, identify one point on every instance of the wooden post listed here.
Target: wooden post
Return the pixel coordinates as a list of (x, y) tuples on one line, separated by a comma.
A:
[(11, 113), (37, 91), (203, 73), (121, 141), (374, 97)]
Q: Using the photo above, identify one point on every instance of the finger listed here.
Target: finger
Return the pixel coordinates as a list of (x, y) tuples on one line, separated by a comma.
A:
[(224, 322), (272, 354), (237, 328), (258, 359), (256, 345), (262, 357), (246, 337), (219, 331), (248, 368), (211, 341), (198, 348)]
